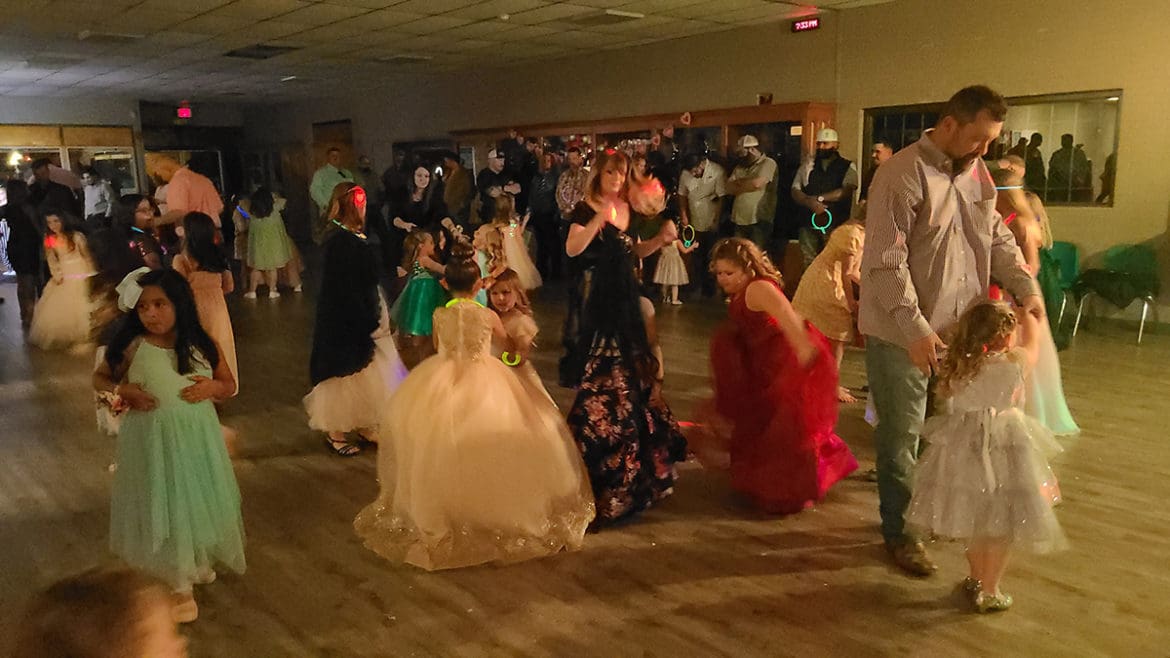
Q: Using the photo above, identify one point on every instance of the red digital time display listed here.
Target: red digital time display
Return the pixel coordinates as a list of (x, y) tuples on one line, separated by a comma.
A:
[(806, 24)]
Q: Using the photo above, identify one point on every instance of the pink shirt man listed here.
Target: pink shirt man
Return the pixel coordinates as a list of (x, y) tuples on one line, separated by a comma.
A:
[(189, 192)]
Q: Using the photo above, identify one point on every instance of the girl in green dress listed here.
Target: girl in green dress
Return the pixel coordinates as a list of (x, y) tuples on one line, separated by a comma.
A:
[(175, 505), (423, 294)]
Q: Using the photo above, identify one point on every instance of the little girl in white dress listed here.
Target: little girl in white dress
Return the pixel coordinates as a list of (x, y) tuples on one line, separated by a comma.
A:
[(983, 477), (671, 271), (474, 466), (61, 317), (515, 249)]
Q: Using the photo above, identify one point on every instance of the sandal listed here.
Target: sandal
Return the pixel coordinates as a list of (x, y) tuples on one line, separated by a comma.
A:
[(998, 602), (343, 448)]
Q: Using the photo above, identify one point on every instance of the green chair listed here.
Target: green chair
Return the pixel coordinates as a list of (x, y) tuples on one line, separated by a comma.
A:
[(1068, 260), (1130, 273)]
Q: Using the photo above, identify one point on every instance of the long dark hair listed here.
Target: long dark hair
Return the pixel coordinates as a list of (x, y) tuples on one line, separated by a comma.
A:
[(70, 224), (429, 191), (190, 338), (614, 310), (124, 210), (199, 242), (262, 202)]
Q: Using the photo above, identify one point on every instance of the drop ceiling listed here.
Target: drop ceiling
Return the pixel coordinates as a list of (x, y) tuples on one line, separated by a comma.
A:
[(172, 49)]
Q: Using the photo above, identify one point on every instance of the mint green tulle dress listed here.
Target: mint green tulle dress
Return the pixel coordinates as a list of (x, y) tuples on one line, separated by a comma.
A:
[(416, 305), (175, 507)]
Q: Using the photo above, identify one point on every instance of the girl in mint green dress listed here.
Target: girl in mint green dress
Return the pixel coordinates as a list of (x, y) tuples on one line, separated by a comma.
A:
[(175, 505)]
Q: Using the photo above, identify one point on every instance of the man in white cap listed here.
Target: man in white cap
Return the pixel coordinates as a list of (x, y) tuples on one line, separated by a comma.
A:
[(491, 183), (824, 185), (753, 183)]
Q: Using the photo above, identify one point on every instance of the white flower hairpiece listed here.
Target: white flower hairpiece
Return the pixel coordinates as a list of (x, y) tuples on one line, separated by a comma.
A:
[(129, 291)]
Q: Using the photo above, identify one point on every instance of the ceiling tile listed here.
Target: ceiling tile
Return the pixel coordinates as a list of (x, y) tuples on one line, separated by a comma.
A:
[(559, 11), (252, 10), (480, 30), (267, 30), (636, 25), (754, 15), (367, 4), (706, 12), (605, 4), (144, 21), (176, 39), (322, 14), (433, 24), (496, 8), (189, 6), (326, 33), (434, 6), (654, 6), (385, 18), (209, 24), (573, 39)]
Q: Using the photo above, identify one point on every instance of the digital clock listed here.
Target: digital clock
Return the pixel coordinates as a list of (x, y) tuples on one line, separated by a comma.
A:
[(806, 24)]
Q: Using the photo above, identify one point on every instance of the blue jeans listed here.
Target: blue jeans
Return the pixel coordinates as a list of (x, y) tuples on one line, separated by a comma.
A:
[(899, 391)]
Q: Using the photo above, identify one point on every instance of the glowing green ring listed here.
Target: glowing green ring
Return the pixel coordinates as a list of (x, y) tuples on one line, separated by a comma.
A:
[(509, 359), (688, 240), (824, 228), (458, 300)]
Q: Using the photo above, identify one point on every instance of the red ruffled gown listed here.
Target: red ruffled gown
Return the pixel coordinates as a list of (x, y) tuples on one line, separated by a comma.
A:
[(784, 452)]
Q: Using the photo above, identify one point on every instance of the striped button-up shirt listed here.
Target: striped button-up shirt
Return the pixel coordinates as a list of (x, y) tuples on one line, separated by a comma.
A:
[(933, 242)]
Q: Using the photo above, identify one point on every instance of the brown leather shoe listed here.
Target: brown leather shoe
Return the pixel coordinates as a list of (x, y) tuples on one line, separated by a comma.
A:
[(911, 557)]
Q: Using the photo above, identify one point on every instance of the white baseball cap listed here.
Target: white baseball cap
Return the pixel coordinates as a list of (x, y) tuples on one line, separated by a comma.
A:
[(748, 141), (827, 135)]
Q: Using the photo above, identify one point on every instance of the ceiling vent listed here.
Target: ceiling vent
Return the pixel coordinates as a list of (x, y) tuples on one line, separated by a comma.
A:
[(607, 17), (260, 51), (109, 38)]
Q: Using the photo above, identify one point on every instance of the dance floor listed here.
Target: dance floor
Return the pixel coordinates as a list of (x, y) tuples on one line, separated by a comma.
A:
[(700, 575)]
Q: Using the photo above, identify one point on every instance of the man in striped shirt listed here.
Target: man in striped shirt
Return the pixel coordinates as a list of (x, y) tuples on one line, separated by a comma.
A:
[(933, 243)]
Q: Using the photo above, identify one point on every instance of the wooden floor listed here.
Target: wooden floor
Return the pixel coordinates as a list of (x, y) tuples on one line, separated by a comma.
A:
[(701, 575)]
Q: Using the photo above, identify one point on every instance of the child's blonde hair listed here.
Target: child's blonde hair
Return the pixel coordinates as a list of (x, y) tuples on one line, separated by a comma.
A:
[(984, 324), (510, 279), (96, 614), (493, 242), (410, 247), (505, 209), (745, 254)]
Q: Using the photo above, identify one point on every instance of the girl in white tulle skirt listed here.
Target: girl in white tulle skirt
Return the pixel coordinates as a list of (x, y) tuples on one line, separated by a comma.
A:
[(61, 317), (475, 465), (512, 228), (984, 477)]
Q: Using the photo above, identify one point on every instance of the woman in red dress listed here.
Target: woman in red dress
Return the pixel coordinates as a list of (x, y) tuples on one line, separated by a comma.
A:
[(775, 388)]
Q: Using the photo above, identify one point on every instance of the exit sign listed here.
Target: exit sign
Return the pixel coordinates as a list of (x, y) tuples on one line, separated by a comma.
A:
[(806, 24)]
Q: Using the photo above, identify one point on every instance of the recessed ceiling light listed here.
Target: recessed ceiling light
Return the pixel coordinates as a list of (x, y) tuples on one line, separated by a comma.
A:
[(505, 17), (1113, 99), (288, 78)]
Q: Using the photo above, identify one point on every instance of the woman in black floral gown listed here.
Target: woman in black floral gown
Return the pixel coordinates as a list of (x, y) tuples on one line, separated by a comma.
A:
[(626, 433)]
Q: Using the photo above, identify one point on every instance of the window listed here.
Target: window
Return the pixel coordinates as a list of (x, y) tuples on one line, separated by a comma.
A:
[(1068, 141)]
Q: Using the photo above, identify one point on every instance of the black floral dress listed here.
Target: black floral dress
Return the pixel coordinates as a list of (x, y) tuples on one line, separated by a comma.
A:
[(628, 443)]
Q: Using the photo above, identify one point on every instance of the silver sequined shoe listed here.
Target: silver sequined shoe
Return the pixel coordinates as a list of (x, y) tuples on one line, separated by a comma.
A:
[(987, 602)]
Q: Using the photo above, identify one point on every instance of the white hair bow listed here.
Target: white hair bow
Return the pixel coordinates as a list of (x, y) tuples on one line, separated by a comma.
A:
[(129, 291)]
